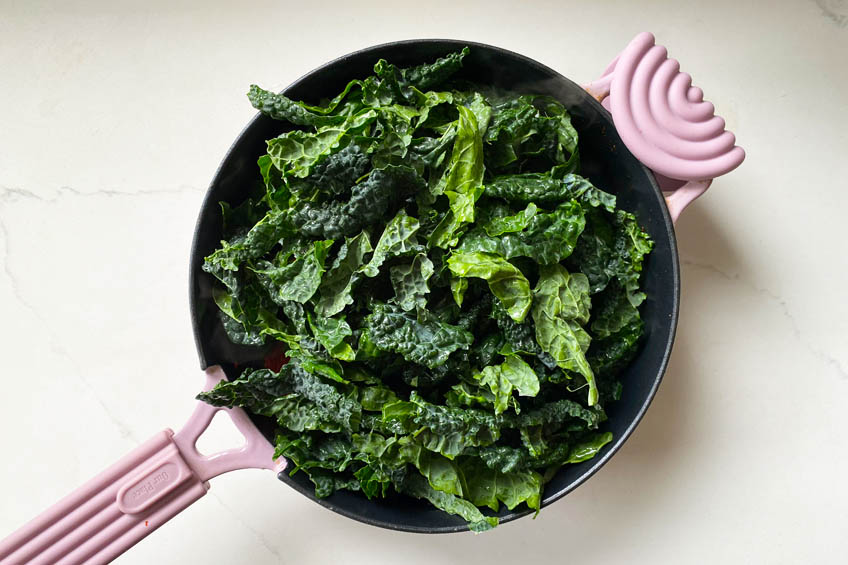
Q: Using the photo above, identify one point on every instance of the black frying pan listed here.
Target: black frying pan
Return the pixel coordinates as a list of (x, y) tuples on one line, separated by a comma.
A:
[(604, 159)]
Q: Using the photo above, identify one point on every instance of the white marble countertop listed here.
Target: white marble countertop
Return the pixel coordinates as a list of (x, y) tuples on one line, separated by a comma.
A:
[(113, 119)]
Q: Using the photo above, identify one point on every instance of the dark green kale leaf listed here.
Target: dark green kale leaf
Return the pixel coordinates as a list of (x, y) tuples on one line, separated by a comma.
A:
[(293, 278), (487, 487), (420, 339), (336, 174), (612, 247), (611, 354), (561, 305), (282, 108), (447, 430), (224, 262), (253, 390), (335, 291), (410, 282), (548, 238), (519, 337), (260, 390), (501, 224), (528, 128), (513, 374), (555, 413), (296, 153), (399, 238), (464, 179), (548, 189), (418, 487), (429, 75), (369, 201), (613, 310), (331, 333), (505, 280)]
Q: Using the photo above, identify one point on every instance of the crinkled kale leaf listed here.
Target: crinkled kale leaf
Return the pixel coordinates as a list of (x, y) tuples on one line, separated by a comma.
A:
[(455, 300)]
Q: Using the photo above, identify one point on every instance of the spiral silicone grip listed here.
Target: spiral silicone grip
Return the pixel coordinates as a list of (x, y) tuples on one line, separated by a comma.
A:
[(665, 122), (111, 512)]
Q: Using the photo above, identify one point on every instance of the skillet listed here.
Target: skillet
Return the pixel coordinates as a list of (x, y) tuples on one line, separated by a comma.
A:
[(642, 111)]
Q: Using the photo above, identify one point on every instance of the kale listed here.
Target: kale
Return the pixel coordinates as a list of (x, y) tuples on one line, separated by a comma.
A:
[(420, 339), (456, 303), (547, 238)]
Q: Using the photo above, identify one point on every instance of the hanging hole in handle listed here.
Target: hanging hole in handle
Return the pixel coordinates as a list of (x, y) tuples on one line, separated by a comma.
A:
[(221, 435), (255, 451)]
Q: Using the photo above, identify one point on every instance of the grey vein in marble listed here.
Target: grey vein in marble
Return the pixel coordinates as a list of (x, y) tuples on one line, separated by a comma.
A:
[(13, 194), (256, 533), (818, 353), (123, 429), (9, 194)]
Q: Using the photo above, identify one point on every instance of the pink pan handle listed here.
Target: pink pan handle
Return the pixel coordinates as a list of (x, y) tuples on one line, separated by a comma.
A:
[(665, 122), (123, 504)]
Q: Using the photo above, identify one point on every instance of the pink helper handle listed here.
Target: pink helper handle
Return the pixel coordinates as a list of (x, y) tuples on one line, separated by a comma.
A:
[(149, 486), (665, 122)]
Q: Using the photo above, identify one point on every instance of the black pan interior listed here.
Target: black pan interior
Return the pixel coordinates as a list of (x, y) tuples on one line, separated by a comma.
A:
[(605, 160)]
